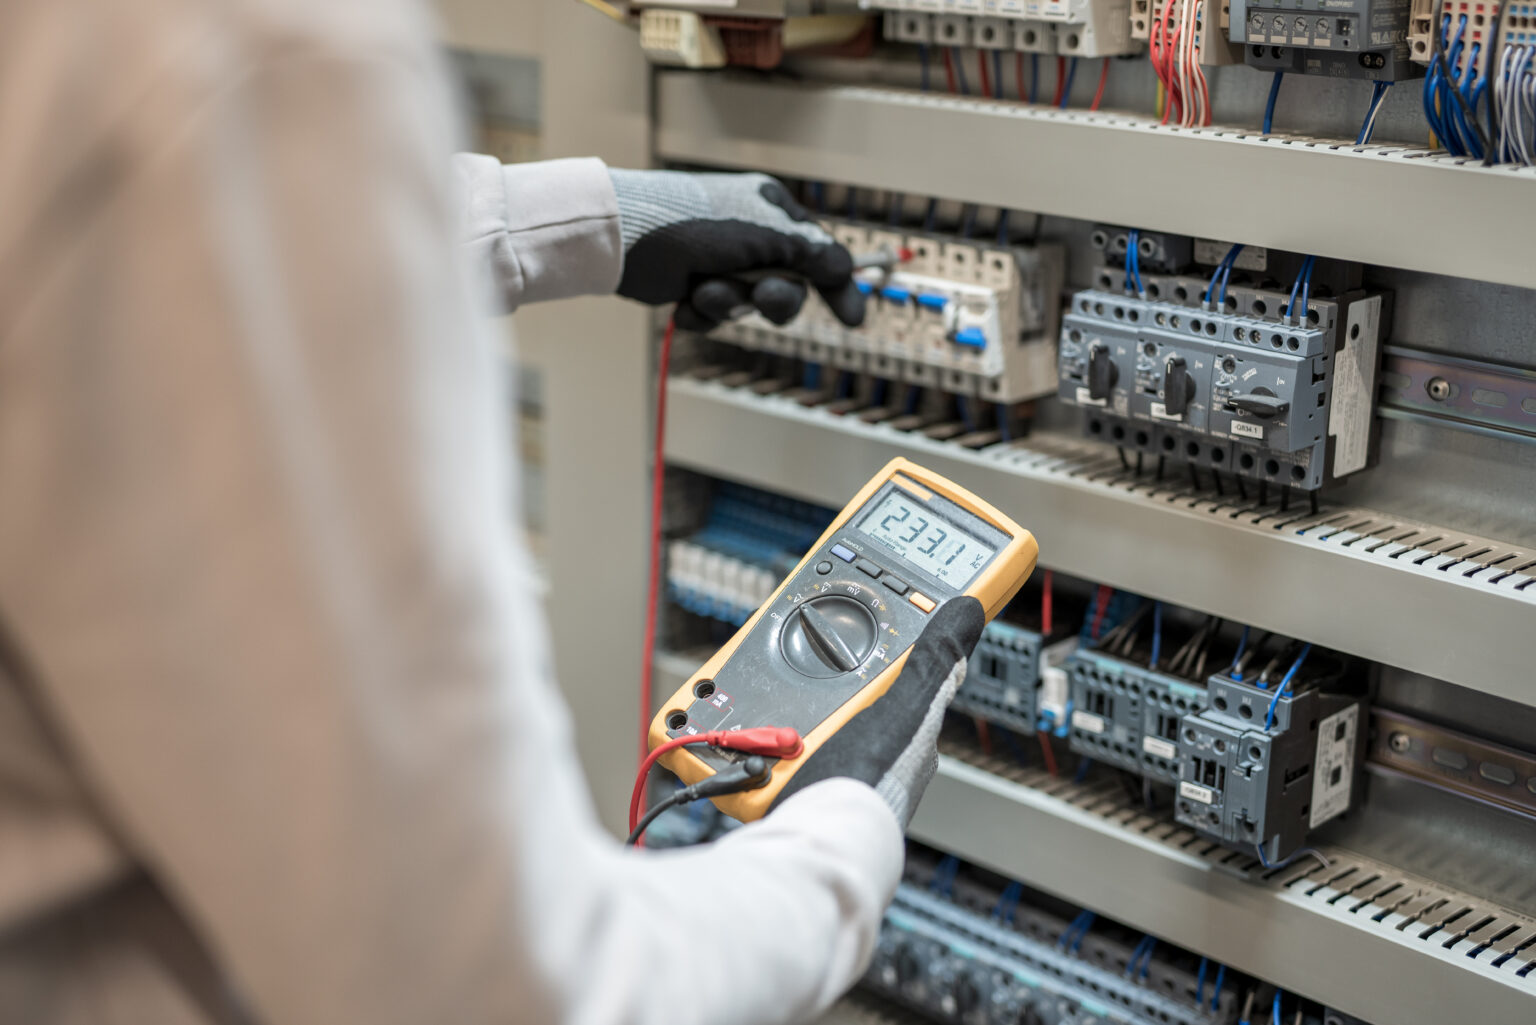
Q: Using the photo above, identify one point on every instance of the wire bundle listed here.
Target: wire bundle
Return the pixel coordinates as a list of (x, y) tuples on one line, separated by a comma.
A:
[(1454, 90), (1212, 298), (1133, 263), (1379, 92), (1514, 103), (1299, 314), (1177, 26)]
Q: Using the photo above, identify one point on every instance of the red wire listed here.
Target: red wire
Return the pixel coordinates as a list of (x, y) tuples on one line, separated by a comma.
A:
[(1061, 80), (637, 796), (658, 482), (1045, 607), (949, 70), (1046, 752), (986, 76), (1098, 95), (983, 735), (1101, 604), (1018, 74)]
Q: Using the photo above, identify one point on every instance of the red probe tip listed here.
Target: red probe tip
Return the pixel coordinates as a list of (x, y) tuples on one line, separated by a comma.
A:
[(773, 741)]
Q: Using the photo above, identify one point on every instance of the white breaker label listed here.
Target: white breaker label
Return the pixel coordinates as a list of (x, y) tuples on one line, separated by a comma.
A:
[(1159, 748), (1243, 429), (1085, 399), (1196, 792), (1087, 722), (1334, 775)]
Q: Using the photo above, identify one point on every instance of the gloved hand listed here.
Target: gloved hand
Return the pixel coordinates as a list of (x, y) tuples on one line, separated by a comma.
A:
[(893, 744), (686, 236)]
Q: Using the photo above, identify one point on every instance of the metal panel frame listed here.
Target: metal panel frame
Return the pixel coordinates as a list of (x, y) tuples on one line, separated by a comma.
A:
[(1329, 198), (1427, 623)]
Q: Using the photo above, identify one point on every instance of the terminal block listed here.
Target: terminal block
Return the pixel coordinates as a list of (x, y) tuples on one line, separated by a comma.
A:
[(1003, 675), (1127, 715), (965, 967), (1211, 45), (1346, 39), (1477, 21), (1259, 771), (1072, 28), (962, 316), (1234, 386)]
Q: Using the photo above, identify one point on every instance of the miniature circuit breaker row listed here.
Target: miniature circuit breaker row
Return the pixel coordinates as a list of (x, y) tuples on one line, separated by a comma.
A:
[(962, 316), (1072, 28)]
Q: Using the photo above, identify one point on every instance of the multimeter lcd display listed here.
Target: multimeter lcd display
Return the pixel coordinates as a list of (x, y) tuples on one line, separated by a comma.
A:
[(933, 545)]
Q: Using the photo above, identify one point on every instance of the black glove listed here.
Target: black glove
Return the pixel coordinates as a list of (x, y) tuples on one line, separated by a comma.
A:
[(893, 745), (687, 236)]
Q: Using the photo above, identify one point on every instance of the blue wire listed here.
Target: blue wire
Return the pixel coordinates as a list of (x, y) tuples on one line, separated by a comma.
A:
[(1082, 770), (1133, 261), (965, 87), (1066, 90), (1066, 934), (819, 196), (1290, 305), (1285, 683), (968, 222), (1269, 107), (1146, 959), (1130, 966), (1221, 978), (811, 379), (1200, 982), (914, 395), (1276, 1015), (1306, 291), (1242, 642), (1157, 633), (1002, 227), (922, 56), (882, 386), (1082, 934), (1226, 275), (1003, 430)]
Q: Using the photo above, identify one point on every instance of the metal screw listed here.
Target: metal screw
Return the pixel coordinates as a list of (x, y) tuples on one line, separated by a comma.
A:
[(1399, 742), (1438, 388)]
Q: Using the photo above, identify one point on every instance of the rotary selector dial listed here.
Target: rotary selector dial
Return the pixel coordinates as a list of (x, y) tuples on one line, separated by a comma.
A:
[(828, 636)]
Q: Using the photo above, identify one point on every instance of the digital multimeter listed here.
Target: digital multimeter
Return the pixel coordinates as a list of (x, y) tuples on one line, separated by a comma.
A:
[(837, 631)]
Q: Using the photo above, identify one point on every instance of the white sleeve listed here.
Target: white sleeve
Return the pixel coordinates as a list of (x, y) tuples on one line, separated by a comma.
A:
[(545, 230), (257, 549)]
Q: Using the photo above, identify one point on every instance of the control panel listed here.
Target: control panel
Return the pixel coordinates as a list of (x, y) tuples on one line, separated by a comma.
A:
[(1346, 39)]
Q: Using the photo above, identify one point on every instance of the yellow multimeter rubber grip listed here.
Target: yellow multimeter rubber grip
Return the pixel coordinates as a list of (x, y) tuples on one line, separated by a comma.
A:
[(994, 587)]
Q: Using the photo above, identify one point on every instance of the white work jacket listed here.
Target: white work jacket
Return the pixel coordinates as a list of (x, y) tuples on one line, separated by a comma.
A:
[(278, 741)]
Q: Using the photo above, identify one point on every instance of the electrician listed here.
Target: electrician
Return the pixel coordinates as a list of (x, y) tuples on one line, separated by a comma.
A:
[(278, 740)]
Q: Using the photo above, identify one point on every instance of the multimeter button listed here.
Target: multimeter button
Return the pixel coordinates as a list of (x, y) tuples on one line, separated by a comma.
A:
[(865, 566), (843, 552), (922, 601), (823, 567), (895, 583), (828, 636)]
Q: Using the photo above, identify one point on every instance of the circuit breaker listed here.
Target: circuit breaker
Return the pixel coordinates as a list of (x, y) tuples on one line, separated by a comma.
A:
[(1261, 767), (962, 316), (1072, 28), (1002, 677), (1344, 39), (1227, 380), (1128, 715)]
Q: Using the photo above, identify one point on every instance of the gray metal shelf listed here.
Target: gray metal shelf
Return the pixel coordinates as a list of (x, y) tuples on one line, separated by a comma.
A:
[(1306, 928), (1327, 579), (1366, 203)]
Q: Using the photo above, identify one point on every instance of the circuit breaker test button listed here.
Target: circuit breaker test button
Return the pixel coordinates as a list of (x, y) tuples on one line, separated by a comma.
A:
[(843, 552), (922, 601)]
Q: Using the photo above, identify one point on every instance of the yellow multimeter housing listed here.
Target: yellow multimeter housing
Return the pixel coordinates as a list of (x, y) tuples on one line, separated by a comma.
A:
[(837, 631)]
